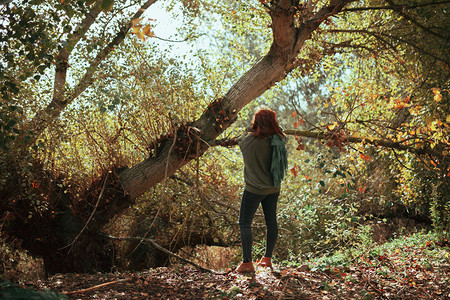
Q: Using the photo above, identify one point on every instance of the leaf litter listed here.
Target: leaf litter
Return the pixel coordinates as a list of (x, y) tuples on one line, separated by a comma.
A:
[(406, 271), (377, 278)]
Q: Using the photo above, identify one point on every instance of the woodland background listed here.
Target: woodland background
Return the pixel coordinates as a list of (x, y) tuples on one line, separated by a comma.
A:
[(110, 131)]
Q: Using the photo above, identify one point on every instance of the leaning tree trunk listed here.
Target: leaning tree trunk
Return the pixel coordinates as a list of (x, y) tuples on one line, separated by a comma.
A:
[(193, 139)]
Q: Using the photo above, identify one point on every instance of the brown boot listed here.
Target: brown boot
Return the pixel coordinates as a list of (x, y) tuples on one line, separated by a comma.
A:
[(265, 262), (246, 268)]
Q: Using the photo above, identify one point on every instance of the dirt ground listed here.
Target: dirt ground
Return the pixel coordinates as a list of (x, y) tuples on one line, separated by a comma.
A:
[(189, 283)]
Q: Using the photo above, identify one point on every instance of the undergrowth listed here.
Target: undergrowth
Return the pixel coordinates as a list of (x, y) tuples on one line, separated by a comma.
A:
[(421, 250), (17, 265)]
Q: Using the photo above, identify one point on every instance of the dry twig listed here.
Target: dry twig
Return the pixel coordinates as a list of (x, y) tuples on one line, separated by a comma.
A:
[(97, 286)]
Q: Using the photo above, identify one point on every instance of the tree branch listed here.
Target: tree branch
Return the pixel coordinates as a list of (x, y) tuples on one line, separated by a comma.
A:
[(398, 39), (59, 101), (61, 98), (390, 7), (161, 248), (375, 142), (350, 139), (86, 80), (335, 7), (401, 12), (98, 286), (63, 55)]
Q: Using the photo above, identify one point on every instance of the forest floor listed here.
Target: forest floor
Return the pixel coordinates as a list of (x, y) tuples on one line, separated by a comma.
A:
[(357, 282), (410, 268), (400, 273)]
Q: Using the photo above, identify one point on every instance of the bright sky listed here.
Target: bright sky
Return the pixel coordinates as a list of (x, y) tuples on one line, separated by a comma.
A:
[(164, 23), (165, 27)]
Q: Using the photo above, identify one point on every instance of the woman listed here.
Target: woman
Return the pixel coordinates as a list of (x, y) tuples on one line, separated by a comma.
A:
[(265, 163)]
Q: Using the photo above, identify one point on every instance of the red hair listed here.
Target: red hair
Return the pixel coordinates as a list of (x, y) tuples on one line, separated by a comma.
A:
[(265, 124)]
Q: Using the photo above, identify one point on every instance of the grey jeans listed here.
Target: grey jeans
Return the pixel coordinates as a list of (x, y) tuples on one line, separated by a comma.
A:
[(249, 205)]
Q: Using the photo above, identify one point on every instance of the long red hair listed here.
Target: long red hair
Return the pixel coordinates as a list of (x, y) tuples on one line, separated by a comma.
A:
[(265, 124)]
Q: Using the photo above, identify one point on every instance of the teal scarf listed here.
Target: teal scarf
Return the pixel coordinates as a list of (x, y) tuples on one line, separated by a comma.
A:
[(279, 159)]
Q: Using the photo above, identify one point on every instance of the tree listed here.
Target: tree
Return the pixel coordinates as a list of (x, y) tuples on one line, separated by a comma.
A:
[(86, 24)]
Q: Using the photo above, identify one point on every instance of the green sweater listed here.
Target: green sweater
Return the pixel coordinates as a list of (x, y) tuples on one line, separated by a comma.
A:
[(257, 153)]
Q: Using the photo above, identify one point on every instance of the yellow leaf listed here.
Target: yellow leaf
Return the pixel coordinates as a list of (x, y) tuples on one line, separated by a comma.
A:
[(136, 29), (141, 36), (437, 94), (147, 31), (330, 89), (448, 119), (135, 22), (438, 97), (433, 126)]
